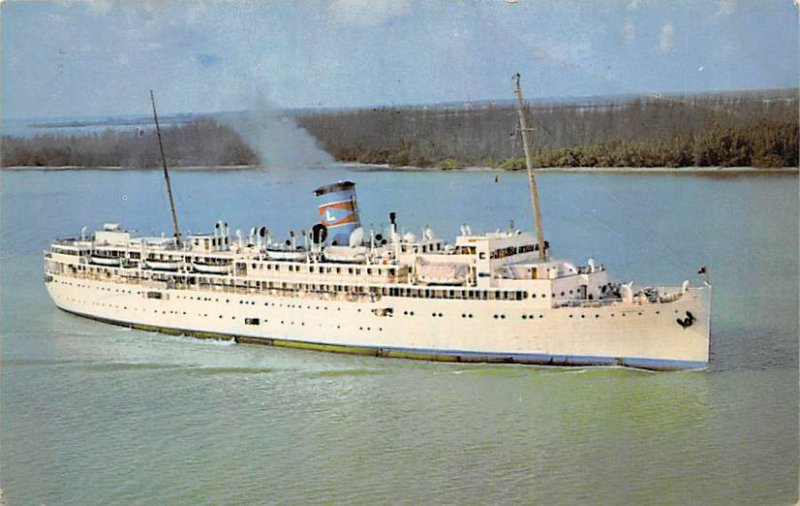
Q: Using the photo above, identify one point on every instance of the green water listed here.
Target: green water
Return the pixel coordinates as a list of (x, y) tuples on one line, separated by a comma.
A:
[(94, 414)]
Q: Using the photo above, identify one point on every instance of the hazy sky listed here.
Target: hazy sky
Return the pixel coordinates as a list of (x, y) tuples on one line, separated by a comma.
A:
[(74, 58)]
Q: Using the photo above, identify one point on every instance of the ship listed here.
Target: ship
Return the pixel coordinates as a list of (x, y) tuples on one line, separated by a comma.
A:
[(493, 297)]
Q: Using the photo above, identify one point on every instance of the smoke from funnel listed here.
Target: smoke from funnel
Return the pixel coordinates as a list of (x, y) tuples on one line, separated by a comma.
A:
[(277, 140)]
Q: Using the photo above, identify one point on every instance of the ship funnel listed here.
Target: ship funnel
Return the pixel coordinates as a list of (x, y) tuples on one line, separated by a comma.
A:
[(338, 210)]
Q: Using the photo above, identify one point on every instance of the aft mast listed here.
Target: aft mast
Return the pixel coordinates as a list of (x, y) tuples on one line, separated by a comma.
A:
[(166, 175), (537, 213)]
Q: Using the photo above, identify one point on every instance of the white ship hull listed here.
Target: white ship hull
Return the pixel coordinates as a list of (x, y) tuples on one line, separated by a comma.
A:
[(645, 336)]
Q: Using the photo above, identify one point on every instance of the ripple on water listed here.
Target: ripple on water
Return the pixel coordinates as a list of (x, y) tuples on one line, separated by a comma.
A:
[(228, 370), (127, 366)]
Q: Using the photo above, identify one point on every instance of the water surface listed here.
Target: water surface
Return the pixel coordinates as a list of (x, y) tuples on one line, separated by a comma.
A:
[(94, 414)]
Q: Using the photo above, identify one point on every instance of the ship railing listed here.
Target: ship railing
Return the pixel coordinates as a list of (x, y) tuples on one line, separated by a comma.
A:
[(585, 269), (65, 240), (638, 300), (588, 303)]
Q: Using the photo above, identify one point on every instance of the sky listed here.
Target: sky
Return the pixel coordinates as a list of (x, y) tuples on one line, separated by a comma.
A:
[(67, 58)]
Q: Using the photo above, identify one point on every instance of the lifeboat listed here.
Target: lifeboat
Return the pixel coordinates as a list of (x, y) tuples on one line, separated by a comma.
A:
[(164, 265), (345, 254), (212, 268), (286, 254), (107, 261)]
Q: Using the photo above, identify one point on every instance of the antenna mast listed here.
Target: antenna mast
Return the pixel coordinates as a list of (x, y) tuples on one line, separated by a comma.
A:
[(166, 175), (537, 213)]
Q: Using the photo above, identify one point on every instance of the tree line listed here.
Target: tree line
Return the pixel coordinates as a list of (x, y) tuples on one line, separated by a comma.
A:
[(200, 142), (757, 128), (743, 129)]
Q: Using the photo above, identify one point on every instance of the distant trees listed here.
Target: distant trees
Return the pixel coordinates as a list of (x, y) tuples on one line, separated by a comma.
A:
[(763, 145), (199, 142), (736, 129), (756, 128)]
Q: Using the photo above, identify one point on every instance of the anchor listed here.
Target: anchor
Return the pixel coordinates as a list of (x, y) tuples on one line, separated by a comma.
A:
[(688, 321)]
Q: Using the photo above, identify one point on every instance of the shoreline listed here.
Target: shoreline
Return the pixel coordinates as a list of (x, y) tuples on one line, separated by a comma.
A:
[(120, 168), (582, 170), (363, 167)]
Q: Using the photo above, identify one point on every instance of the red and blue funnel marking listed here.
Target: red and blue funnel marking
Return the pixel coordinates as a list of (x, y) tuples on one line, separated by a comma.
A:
[(339, 211)]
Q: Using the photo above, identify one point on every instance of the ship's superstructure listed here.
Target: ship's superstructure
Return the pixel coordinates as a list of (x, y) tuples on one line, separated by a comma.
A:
[(487, 297)]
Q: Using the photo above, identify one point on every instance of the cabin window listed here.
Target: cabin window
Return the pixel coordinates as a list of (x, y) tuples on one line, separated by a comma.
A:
[(482, 255)]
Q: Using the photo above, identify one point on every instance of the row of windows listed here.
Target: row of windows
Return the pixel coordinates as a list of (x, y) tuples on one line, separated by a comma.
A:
[(440, 293), (65, 251), (425, 293), (256, 321), (323, 269), (512, 250), (425, 248), (300, 306)]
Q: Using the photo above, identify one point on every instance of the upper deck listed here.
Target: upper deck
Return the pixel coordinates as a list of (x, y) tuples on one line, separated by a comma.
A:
[(500, 265)]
